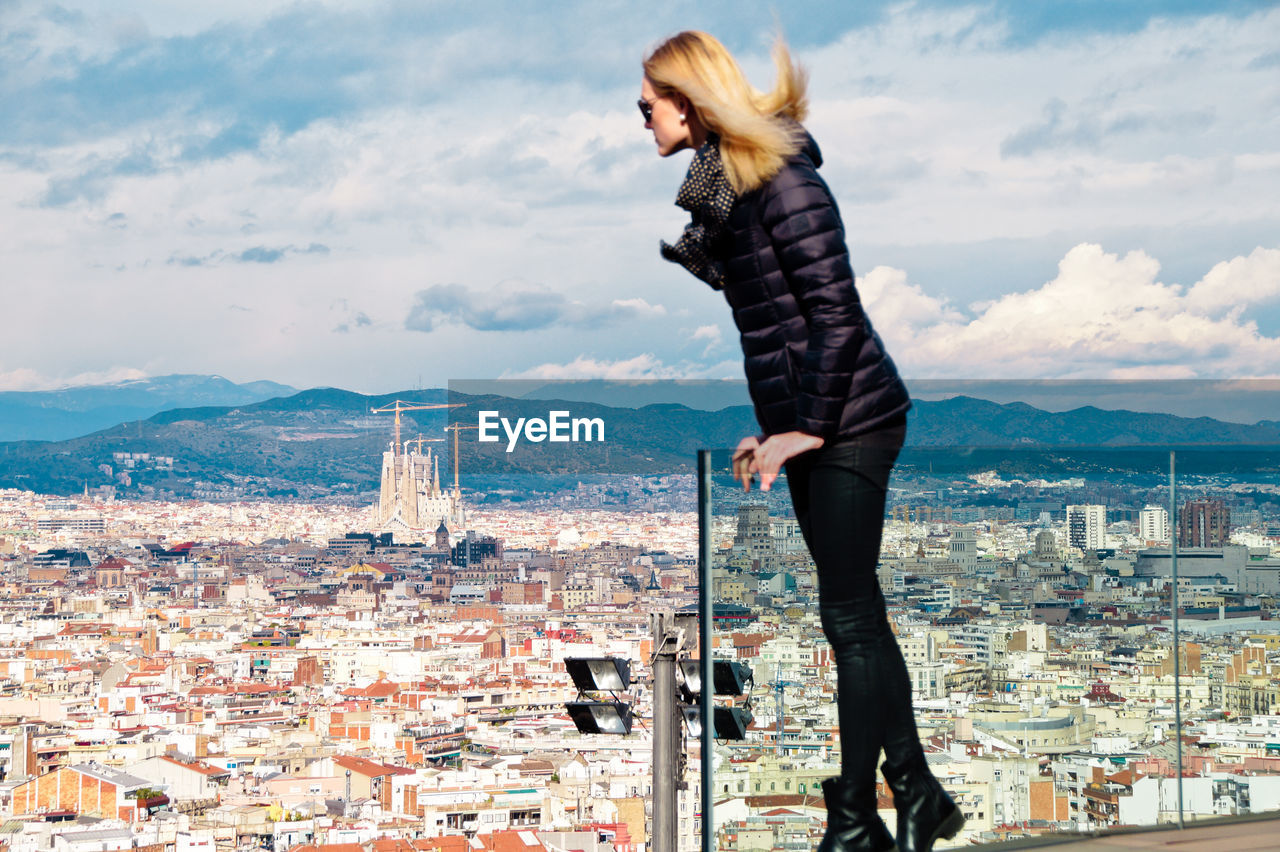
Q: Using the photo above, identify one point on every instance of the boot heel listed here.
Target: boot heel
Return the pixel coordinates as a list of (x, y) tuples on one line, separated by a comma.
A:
[(852, 822), (950, 826), (925, 811)]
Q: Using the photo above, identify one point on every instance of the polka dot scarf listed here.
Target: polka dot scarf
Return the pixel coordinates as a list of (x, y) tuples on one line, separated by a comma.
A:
[(707, 195)]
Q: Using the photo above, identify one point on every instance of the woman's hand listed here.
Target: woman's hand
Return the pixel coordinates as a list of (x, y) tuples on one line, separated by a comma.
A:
[(767, 459), (743, 461)]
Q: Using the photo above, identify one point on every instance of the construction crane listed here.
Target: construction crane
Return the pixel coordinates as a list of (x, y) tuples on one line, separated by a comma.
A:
[(455, 429), (400, 406), (778, 684), (420, 441)]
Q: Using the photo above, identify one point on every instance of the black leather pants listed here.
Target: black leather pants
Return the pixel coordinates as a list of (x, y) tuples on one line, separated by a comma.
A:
[(839, 497)]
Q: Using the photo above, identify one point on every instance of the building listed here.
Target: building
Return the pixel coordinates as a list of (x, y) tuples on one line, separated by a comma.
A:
[(1087, 527), (963, 549), (1204, 523), (1233, 564), (1046, 547), (754, 535), (412, 501), (87, 789), (1053, 729), (86, 522), (473, 550), (1153, 525), (182, 780)]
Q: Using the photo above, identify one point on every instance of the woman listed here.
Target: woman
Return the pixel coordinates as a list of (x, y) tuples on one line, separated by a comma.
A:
[(766, 231)]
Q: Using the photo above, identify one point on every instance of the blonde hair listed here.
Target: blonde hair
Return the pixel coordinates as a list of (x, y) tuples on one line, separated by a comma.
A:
[(758, 130)]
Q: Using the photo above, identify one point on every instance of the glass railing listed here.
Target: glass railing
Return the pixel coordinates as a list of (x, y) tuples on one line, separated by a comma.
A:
[(1064, 611)]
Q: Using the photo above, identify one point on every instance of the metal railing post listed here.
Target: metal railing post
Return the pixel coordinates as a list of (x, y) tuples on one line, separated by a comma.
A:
[(705, 615), (1177, 647)]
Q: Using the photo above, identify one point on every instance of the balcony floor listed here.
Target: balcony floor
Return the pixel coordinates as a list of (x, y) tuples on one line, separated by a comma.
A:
[(1237, 834)]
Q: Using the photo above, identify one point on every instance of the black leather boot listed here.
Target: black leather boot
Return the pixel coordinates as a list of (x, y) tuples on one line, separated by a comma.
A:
[(925, 811), (852, 822)]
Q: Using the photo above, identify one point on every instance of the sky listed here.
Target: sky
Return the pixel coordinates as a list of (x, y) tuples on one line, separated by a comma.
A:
[(387, 195)]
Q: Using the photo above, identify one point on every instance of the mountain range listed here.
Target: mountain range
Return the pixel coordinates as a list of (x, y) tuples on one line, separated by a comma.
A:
[(55, 415), (327, 443)]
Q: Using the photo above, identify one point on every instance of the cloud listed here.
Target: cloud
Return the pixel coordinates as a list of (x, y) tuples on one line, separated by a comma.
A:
[(1102, 316), (94, 178), (515, 305), (711, 334), (359, 319), (259, 254), (1046, 133), (644, 366), (503, 146), (284, 72), (1088, 125), (25, 379), (1235, 284), (901, 305), (254, 254), (1264, 61), (280, 67), (638, 308)]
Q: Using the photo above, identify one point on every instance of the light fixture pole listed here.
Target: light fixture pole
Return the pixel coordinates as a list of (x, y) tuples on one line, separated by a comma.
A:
[(666, 645)]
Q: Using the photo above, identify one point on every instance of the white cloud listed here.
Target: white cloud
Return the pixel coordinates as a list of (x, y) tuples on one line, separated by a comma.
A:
[(1103, 130), (1238, 283), (900, 304), (488, 174), (516, 305), (644, 366), (1102, 316), (25, 379), (639, 308), (711, 334)]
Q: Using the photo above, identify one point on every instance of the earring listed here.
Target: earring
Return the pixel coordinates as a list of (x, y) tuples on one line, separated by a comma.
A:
[(682, 116)]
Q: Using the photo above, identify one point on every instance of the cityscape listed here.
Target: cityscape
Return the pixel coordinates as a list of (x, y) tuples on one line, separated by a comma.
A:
[(365, 461), (288, 675)]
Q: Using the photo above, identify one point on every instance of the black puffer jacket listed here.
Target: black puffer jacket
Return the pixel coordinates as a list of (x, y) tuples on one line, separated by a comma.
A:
[(813, 362)]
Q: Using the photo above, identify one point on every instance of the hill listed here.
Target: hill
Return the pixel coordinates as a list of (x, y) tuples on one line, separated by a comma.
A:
[(326, 443)]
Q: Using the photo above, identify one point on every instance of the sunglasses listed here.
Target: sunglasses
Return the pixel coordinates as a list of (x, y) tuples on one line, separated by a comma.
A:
[(646, 109)]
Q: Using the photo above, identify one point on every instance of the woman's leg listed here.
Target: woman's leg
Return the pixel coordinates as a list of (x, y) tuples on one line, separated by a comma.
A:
[(839, 497)]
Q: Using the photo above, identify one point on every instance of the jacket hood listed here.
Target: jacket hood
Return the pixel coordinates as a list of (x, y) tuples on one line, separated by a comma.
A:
[(809, 147)]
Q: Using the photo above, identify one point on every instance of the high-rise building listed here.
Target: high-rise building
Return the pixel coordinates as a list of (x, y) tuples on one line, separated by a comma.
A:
[(1204, 523), (753, 523), (1087, 527), (474, 549), (963, 550), (1153, 524), (755, 531)]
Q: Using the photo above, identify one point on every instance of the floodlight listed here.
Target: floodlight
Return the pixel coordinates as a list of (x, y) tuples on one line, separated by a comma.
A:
[(731, 722), (600, 717), (729, 677), (599, 674)]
